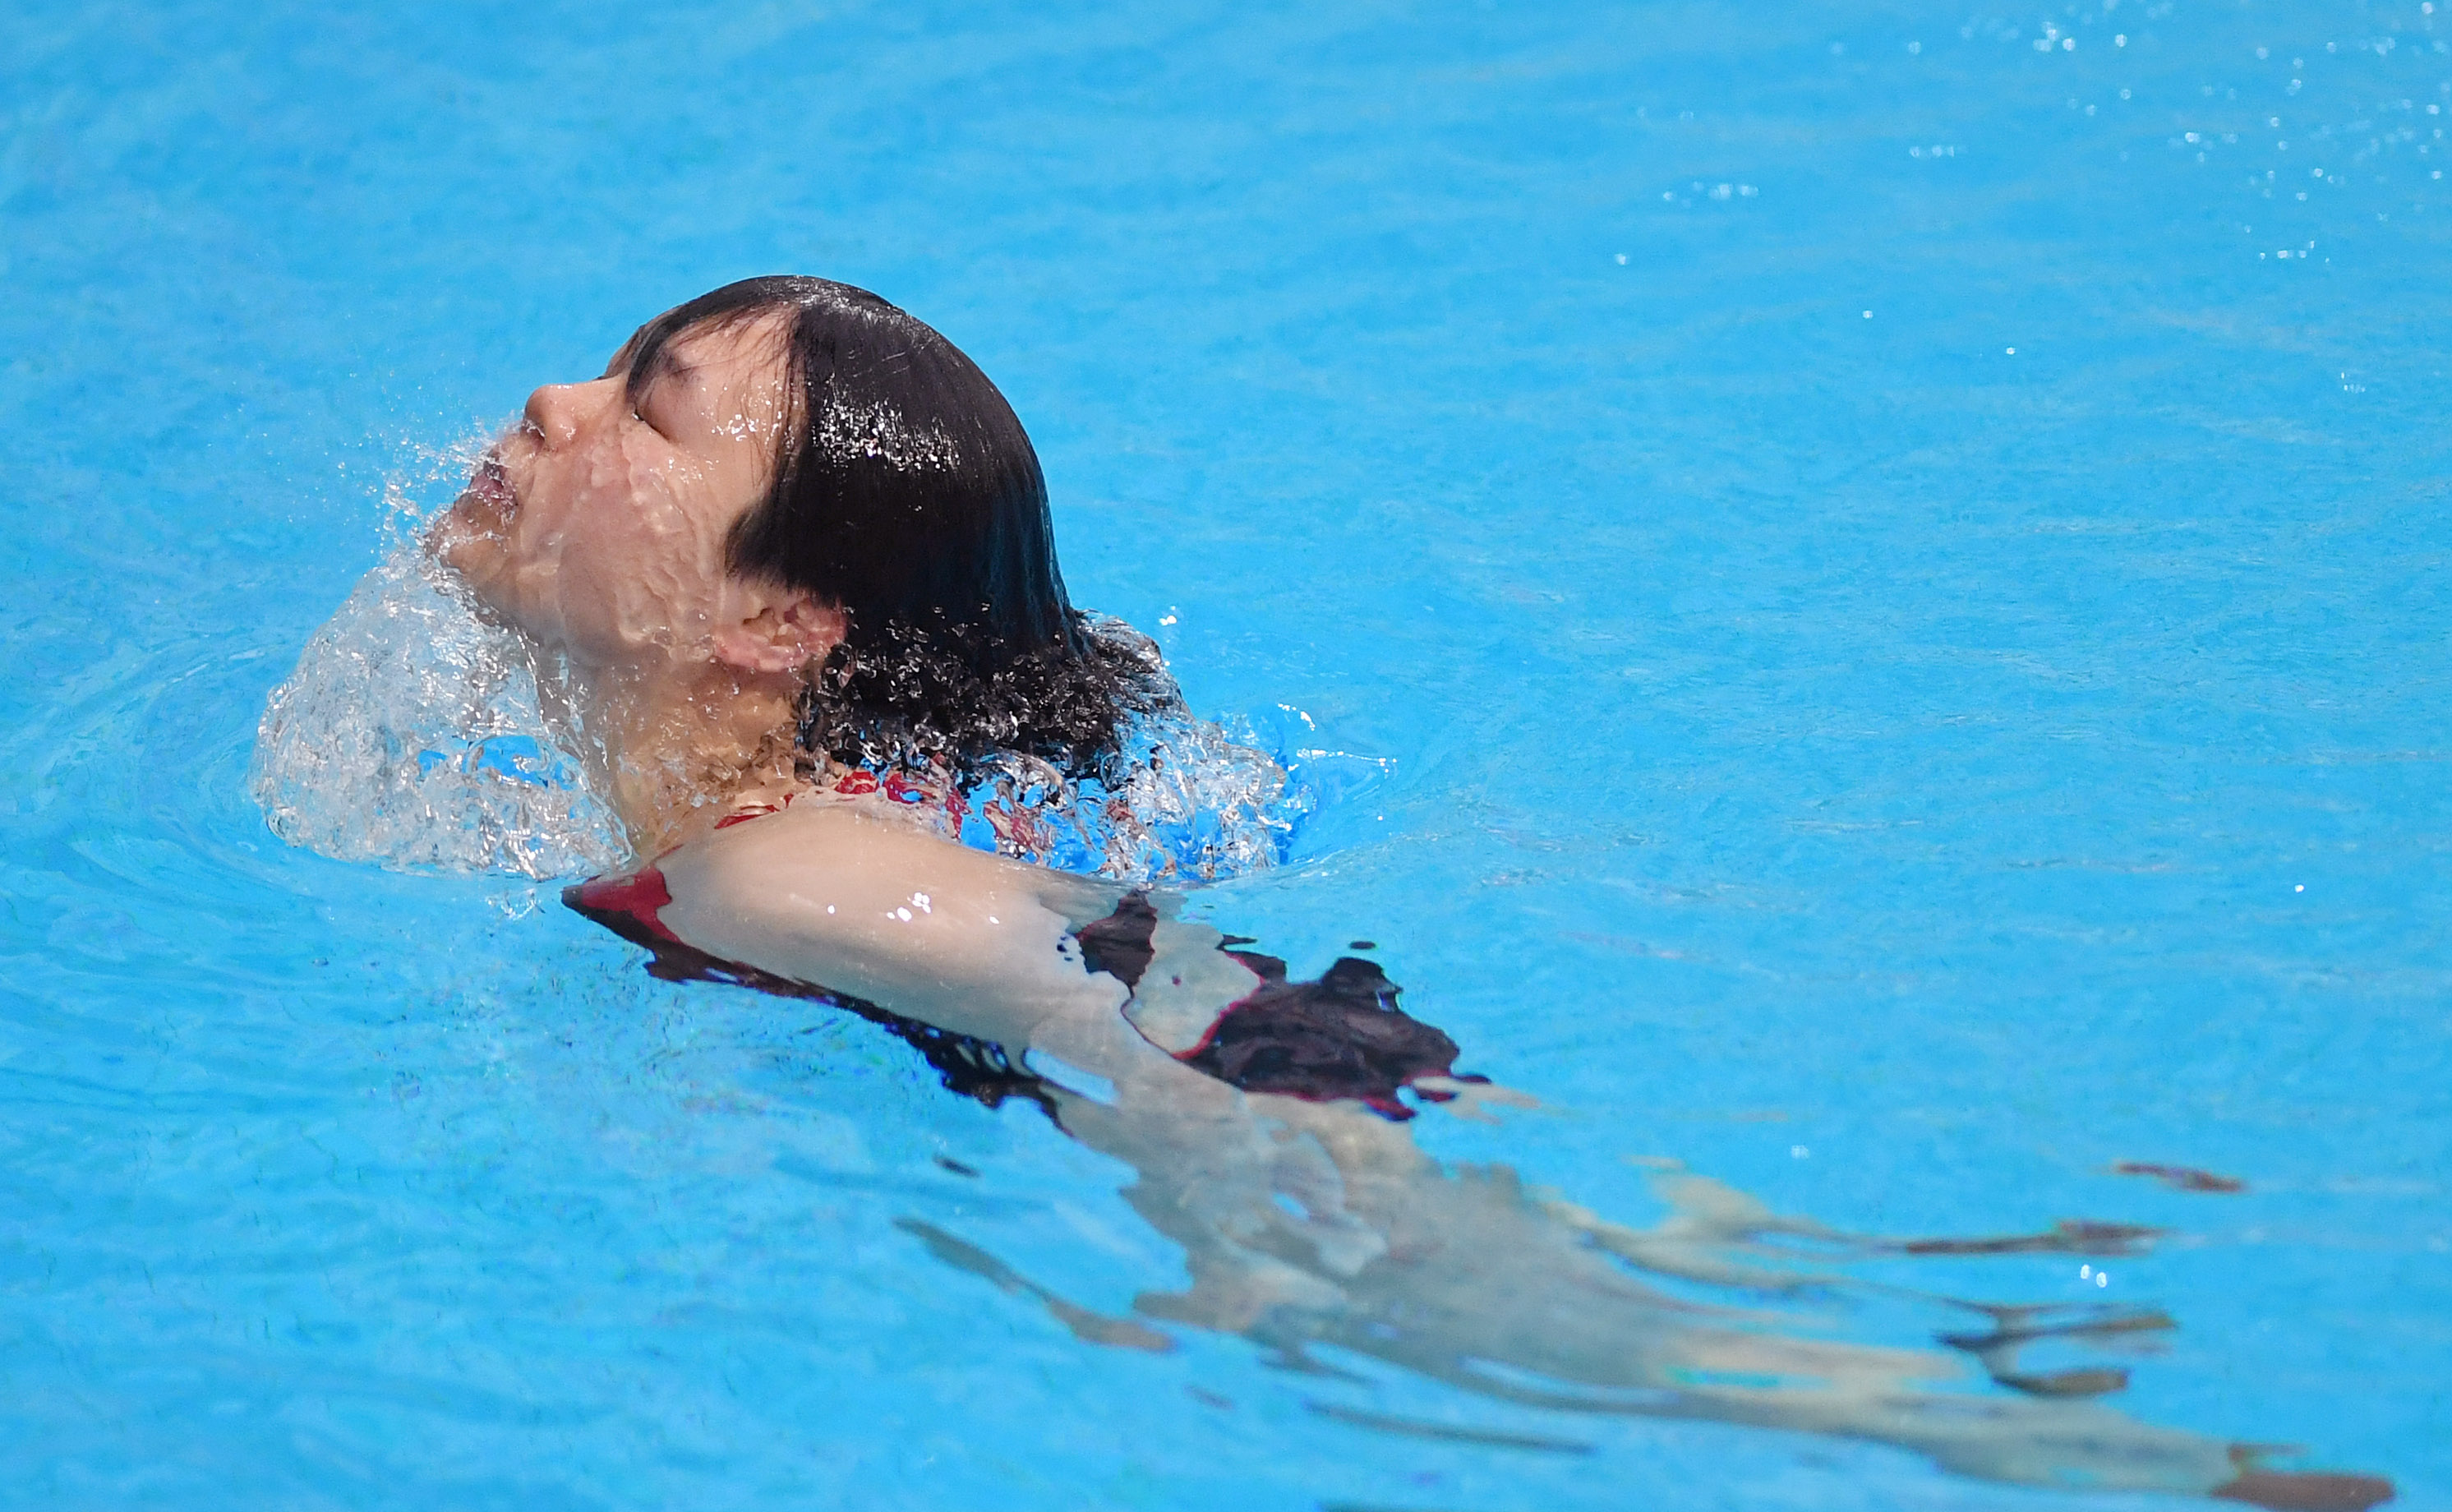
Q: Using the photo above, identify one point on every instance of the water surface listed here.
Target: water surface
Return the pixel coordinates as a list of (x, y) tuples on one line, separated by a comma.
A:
[(1890, 648)]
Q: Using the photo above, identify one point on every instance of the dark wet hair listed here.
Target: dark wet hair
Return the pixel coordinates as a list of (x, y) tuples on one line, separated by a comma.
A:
[(906, 492)]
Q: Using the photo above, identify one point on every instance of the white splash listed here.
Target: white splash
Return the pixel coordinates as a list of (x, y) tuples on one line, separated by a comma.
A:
[(1196, 805), (410, 736)]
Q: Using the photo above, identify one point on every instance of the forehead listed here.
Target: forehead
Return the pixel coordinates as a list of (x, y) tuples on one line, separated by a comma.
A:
[(724, 356)]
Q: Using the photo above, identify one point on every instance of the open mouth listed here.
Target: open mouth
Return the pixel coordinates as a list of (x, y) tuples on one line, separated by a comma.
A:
[(489, 487)]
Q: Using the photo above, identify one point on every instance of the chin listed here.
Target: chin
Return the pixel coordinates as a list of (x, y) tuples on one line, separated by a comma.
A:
[(467, 540), (478, 550)]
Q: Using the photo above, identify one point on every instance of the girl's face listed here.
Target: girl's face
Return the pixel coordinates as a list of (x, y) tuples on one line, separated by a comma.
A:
[(598, 524)]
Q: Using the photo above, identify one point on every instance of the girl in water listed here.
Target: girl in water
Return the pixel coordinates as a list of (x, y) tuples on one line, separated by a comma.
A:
[(794, 551)]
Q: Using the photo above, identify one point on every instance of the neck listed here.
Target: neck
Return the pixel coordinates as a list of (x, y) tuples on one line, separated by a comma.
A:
[(676, 749)]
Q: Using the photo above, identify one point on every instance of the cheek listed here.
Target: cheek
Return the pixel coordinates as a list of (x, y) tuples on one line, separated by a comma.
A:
[(644, 571), (676, 542)]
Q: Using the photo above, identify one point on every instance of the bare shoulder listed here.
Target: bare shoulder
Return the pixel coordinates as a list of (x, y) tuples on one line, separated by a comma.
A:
[(871, 863), (885, 911)]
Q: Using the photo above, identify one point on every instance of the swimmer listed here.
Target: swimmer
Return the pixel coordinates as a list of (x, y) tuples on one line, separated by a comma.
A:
[(792, 555)]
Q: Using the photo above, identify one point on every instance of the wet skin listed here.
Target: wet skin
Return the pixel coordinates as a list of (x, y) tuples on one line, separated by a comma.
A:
[(597, 528)]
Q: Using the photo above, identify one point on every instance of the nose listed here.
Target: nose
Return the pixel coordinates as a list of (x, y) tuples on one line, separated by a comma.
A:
[(554, 412)]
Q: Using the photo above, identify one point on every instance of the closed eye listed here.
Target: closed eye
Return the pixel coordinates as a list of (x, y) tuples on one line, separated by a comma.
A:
[(651, 392)]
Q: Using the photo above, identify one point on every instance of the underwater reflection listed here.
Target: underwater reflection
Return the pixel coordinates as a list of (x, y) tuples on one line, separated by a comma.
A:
[(1315, 1223)]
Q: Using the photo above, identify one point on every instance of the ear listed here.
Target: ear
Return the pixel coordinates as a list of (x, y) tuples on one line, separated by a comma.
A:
[(767, 628)]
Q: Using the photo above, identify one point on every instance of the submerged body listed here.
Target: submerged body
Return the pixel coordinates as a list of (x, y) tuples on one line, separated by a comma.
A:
[(1311, 1221)]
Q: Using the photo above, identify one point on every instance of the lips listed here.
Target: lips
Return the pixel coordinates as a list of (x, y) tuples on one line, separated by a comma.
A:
[(489, 487)]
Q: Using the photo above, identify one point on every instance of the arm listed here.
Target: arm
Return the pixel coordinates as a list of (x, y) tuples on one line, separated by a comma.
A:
[(1309, 1223), (879, 909), (872, 907)]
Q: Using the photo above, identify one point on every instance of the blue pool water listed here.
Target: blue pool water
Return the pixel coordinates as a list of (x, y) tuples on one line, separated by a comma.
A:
[(1889, 648)]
